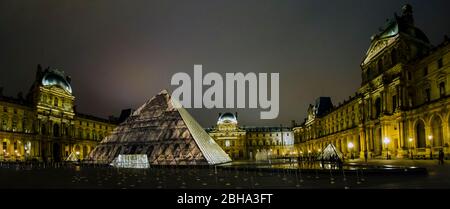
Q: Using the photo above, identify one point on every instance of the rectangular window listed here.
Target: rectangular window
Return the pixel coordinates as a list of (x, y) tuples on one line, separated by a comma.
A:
[(394, 103), (442, 89), (14, 124), (4, 124), (425, 71), (428, 95), (409, 76), (440, 63), (5, 147)]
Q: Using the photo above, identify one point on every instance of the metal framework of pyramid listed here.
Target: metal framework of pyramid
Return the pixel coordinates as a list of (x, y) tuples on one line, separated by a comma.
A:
[(166, 132)]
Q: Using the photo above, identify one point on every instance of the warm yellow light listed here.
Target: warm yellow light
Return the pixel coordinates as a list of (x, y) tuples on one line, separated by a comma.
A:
[(309, 151), (410, 139), (78, 153), (386, 140), (430, 137)]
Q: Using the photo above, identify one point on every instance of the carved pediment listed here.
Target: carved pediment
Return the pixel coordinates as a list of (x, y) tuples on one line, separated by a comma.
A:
[(377, 46)]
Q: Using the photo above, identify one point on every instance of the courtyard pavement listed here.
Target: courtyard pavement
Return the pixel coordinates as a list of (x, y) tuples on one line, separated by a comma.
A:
[(89, 177)]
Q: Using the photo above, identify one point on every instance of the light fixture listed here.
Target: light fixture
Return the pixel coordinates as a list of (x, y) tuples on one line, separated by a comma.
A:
[(410, 139), (386, 140), (350, 145), (430, 137)]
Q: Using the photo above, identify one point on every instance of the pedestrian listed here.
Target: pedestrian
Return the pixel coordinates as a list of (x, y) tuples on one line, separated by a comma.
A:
[(441, 157)]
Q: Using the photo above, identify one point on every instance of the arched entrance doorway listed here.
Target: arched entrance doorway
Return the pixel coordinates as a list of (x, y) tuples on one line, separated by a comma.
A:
[(436, 129), (420, 134), (56, 152), (85, 151)]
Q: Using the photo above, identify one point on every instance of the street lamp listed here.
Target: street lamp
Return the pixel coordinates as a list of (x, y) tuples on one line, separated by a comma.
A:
[(430, 137), (386, 142), (350, 146), (410, 152)]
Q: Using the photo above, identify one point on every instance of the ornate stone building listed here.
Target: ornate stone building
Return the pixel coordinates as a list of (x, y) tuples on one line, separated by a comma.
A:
[(44, 125), (402, 107), (245, 143)]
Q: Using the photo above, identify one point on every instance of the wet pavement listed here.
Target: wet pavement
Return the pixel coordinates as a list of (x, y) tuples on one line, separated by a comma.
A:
[(244, 176)]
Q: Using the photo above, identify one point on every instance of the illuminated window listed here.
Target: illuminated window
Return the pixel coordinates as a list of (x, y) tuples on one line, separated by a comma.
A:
[(227, 143)]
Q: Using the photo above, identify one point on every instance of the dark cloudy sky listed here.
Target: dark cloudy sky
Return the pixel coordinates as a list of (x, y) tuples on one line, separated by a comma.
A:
[(120, 53)]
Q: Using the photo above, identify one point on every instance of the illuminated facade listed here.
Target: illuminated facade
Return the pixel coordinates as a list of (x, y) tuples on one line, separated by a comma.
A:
[(243, 143), (402, 107), (44, 126)]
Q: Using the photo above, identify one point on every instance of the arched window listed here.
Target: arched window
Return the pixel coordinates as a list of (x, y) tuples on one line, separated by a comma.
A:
[(394, 57), (420, 134), (436, 129), (380, 65)]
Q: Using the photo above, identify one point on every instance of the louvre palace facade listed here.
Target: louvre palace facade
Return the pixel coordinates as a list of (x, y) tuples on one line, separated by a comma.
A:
[(44, 126), (251, 143), (402, 108)]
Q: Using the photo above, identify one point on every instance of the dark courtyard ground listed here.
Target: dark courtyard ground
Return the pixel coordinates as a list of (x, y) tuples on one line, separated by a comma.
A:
[(390, 174)]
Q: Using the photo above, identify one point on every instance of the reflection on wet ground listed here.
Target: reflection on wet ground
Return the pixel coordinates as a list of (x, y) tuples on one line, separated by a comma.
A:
[(237, 176)]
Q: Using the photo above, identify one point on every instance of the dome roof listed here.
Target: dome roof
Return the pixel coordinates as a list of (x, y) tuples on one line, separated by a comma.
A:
[(56, 78), (227, 118)]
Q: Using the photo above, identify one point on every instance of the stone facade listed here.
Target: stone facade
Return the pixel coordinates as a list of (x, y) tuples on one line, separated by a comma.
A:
[(250, 143), (402, 107), (44, 126)]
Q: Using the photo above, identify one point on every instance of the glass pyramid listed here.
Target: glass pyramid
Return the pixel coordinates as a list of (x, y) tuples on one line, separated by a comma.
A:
[(166, 132)]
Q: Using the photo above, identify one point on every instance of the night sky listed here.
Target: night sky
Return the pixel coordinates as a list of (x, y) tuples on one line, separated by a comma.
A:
[(121, 53)]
